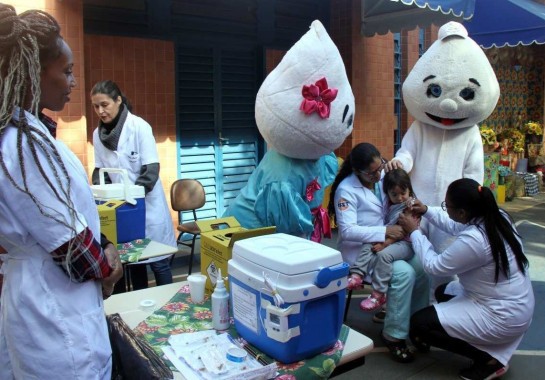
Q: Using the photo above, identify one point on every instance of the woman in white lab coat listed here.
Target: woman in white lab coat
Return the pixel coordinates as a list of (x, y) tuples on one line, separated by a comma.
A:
[(358, 203), (56, 273), (125, 141), (485, 315)]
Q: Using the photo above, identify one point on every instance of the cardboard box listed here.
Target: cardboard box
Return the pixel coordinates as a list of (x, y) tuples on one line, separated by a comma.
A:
[(122, 222), (108, 219), (217, 239)]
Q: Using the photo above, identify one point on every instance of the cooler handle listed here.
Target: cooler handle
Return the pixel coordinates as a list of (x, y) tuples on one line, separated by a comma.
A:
[(328, 274), (124, 176)]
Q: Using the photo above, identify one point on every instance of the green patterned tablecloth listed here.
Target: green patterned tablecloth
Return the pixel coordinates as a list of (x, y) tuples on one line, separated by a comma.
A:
[(131, 251), (181, 315)]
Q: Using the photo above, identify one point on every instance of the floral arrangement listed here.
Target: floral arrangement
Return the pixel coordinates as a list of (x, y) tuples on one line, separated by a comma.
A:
[(533, 128), (518, 147), (487, 135), (515, 138), (503, 171)]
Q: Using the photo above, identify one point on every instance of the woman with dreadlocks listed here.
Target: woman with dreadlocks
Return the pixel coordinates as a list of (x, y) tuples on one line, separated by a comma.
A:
[(56, 273)]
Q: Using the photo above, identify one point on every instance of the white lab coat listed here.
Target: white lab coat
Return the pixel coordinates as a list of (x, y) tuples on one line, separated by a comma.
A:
[(360, 217), (490, 316), (50, 327), (434, 158), (137, 147)]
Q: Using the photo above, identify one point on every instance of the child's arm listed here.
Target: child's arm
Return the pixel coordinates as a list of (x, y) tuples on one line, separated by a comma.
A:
[(377, 247)]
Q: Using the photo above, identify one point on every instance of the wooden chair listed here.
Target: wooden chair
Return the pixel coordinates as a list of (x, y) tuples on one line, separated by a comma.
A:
[(187, 195)]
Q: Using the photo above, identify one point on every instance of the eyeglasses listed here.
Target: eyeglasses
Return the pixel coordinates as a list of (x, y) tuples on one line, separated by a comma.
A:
[(444, 206), (374, 173)]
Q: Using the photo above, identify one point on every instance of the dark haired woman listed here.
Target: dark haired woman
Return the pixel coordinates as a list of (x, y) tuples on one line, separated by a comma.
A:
[(56, 273), (399, 195), (358, 203), (485, 315), (125, 141)]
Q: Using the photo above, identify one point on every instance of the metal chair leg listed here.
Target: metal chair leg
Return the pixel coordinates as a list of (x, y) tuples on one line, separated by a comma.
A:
[(192, 254), (178, 242), (348, 299), (128, 281)]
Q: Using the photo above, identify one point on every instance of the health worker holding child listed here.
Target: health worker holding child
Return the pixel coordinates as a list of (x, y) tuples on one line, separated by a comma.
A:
[(358, 204)]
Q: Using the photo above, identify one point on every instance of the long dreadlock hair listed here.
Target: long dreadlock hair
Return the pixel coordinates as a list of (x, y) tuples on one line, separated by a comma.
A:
[(28, 43)]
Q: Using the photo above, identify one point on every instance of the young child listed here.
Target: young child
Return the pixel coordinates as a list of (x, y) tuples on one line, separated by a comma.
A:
[(379, 257)]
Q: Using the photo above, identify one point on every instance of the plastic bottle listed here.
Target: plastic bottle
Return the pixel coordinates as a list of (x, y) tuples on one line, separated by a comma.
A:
[(220, 305)]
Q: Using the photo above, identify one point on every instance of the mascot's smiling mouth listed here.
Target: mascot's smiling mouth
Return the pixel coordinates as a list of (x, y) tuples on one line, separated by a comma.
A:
[(445, 121)]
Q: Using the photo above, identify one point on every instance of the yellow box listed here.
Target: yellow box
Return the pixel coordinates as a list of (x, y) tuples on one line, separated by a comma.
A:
[(217, 239), (108, 218), (501, 194)]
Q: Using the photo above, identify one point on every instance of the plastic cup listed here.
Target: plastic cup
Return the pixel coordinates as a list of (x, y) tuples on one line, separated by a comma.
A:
[(196, 287)]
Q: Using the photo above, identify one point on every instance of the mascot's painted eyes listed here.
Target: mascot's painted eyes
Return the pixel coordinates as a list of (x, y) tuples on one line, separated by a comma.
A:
[(434, 90), (345, 112), (350, 119), (467, 93)]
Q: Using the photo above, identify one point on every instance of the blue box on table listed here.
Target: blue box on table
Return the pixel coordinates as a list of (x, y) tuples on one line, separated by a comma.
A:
[(121, 208), (287, 295)]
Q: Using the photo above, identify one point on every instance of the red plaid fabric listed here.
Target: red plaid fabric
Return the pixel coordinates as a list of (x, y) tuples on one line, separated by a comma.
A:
[(87, 261)]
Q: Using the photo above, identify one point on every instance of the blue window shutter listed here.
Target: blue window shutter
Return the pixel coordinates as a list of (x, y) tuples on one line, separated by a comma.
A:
[(218, 140)]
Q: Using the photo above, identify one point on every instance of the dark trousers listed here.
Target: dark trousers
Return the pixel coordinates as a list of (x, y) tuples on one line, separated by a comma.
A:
[(425, 327), (139, 276), (139, 279)]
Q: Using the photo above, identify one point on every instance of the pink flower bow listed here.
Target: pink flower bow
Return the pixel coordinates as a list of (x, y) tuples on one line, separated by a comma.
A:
[(321, 224), (311, 189), (318, 98), (321, 218)]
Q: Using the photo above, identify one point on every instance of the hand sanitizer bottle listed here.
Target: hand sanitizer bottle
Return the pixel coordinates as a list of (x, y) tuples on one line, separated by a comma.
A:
[(220, 305)]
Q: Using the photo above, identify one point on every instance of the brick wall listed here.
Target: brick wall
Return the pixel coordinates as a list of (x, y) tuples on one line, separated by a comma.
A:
[(369, 62), (341, 16), (409, 53)]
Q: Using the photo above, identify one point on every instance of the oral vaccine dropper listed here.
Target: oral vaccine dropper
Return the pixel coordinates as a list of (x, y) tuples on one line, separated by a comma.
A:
[(220, 305)]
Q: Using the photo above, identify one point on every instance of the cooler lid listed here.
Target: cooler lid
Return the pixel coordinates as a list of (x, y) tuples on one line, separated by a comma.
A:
[(117, 191), (286, 254), (122, 190)]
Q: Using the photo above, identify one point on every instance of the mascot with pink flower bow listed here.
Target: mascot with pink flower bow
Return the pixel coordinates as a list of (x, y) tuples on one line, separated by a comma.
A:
[(304, 111)]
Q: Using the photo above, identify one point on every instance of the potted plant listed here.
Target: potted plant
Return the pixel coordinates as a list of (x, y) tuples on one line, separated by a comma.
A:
[(534, 132), (503, 171), (488, 137)]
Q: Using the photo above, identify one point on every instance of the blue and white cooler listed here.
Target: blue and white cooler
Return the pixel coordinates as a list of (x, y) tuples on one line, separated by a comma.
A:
[(287, 295), (121, 206)]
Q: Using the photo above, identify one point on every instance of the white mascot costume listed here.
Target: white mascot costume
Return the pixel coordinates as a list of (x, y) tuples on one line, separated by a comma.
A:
[(304, 110), (451, 88)]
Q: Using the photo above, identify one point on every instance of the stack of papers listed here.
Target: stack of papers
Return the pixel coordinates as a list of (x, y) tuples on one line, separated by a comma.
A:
[(203, 355)]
